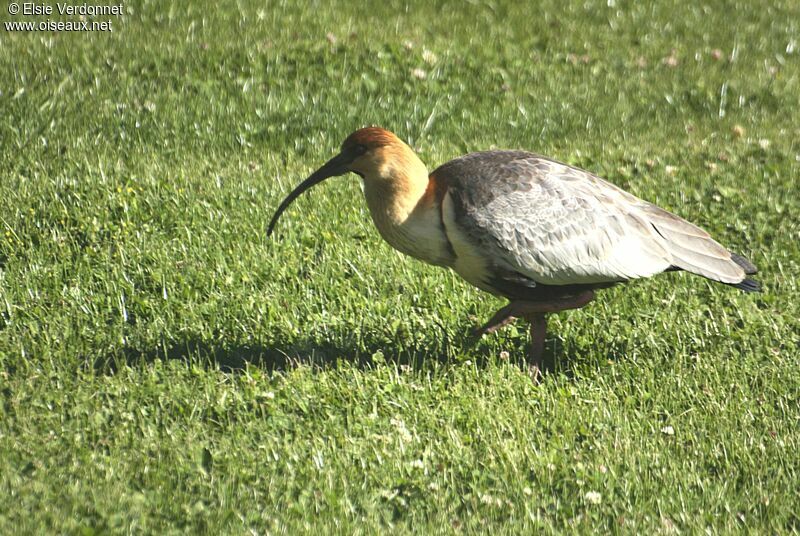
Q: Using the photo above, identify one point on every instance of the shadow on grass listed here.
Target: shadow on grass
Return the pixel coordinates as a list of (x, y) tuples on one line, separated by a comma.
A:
[(232, 356), (363, 352)]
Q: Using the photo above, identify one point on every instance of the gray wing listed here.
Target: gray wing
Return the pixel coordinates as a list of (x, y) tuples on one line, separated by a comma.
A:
[(557, 224)]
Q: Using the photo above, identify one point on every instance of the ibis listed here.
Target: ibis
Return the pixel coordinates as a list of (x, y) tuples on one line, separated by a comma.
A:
[(541, 233)]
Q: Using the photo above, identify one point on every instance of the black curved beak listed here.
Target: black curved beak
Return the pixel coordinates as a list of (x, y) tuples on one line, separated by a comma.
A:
[(332, 168)]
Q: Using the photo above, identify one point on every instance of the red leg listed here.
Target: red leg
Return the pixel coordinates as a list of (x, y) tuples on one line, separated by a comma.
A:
[(516, 309), (534, 312), (501, 318), (538, 334)]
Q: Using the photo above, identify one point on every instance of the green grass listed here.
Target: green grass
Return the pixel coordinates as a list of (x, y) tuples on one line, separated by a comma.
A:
[(166, 368)]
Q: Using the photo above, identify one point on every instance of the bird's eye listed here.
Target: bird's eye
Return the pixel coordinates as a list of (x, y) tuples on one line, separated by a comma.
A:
[(358, 150)]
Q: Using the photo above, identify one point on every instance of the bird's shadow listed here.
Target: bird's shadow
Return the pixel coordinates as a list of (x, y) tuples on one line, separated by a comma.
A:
[(279, 355), (364, 352)]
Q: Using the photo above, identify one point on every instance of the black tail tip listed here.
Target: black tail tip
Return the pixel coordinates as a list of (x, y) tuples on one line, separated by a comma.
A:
[(748, 267), (748, 285)]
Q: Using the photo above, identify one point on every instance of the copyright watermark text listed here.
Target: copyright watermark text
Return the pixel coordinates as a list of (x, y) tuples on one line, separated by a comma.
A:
[(28, 10)]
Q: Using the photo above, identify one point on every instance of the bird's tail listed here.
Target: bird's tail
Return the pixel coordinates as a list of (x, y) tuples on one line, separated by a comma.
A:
[(693, 250), (747, 284)]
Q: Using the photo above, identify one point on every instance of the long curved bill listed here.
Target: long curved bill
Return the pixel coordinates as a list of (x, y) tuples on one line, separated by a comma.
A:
[(332, 168)]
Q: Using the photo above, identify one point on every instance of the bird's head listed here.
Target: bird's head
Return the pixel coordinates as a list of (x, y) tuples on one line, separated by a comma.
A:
[(376, 155)]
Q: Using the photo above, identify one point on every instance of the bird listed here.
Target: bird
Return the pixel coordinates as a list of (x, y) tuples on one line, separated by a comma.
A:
[(543, 234)]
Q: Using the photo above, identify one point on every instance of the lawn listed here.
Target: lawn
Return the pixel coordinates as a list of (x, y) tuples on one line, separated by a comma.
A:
[(167, 368)]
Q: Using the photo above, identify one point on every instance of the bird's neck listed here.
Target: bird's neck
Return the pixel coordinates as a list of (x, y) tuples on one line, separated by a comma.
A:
[(396, 188), (404, 204)]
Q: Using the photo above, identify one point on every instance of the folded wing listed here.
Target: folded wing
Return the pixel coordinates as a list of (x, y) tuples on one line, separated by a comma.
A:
[(559, 225)]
